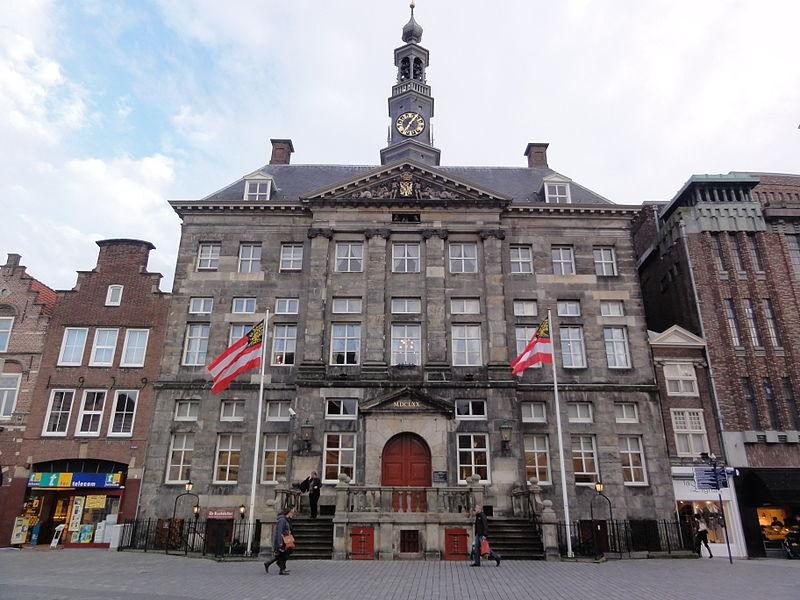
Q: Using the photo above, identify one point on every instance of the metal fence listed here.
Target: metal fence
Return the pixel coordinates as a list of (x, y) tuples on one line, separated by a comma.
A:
[(622, 538), (219, 538)]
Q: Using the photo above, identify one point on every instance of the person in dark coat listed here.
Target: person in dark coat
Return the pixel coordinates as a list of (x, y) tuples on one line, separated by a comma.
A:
[(481, 532), (283, 525), (312, 485)]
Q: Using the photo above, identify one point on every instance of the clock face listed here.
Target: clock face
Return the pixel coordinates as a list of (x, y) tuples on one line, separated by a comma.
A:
[(410, 124)]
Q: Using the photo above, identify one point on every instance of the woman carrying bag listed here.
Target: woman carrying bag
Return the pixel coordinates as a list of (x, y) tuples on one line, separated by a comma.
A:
[(282, 541)]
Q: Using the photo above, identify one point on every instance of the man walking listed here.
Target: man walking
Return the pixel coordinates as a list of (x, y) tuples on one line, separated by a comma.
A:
[(481, 531), (312, 485)]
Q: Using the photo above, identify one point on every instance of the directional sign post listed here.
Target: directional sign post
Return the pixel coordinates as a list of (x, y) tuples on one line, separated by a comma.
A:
[(714, 477)]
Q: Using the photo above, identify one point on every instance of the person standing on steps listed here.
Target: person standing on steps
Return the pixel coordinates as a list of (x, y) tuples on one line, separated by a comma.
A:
[(312, 485), (283, 527), (481, 532)]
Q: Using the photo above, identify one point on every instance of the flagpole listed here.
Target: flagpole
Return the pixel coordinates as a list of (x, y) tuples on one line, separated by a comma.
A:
[(257, 445), (560, 441)]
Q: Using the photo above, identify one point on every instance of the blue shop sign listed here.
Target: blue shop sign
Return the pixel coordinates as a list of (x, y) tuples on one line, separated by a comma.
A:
[(75, 480)]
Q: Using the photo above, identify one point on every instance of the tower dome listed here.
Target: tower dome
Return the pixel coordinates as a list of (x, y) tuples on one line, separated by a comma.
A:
[(412, 31)]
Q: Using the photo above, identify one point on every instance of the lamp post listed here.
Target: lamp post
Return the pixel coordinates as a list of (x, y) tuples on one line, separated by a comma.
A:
[(505, 437), (306, 435), (195, 509), (599, 487)]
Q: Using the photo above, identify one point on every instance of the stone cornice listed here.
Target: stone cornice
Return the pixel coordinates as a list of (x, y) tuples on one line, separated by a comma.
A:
[(320, 231), (194, 207)]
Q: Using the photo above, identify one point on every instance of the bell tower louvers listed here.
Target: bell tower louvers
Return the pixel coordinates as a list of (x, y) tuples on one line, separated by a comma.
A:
[(411, 103)]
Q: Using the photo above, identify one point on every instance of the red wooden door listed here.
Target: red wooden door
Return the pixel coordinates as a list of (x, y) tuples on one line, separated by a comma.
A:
[(363, 543), (456, 544), (406, 462)]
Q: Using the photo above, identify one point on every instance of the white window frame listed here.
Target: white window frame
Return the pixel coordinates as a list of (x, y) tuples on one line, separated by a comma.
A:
[(341, 416), (555, 196), (582, 452), (530, 445), (9, 395), (349, 259), (208, 254), (339, 463), (404, 345), (470, 415), (473, 450), (237, 405), (258, 194), (623, 415), (183, 465), (733, 323), (570, 344), (751, 323), (522, 336), (583, 412), (346, 338), (557, 255), (568, 308), (458, 260), (114, 290), (230, 449), (631, 468), (405, 259), (617, 348), (194, 310), (672, 373), (240, 305), (691, 433), (237, 331), (123, 362), (201, 341), (279, 444), (522, 308), (521, 259), (114, 407), (287, 306), (773, 331), (53, 392), (608, 308), (67, 330), (188, 402), (283, 407), (283, 343), (533, 412), (341, 305), (93, 362), (463, 334), (5, 334), (289, 257), (465, 306), (82, 412), (605, 265), (406, 302), (249, 261)]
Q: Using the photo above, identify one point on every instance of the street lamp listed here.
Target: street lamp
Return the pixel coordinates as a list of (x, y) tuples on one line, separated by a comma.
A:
[(242, 510), (599, 487), (189, 485), (195, 509), (505, 437), (306, 435)]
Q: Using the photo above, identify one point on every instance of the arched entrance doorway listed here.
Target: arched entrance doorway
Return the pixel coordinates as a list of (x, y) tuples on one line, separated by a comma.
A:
[(406, 462)]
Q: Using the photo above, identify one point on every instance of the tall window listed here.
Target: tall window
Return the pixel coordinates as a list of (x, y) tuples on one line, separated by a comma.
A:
[(793, 242), (226, 465), (196, 344), (681, 379), (774, 411), (276, 451), (750, 402), (6, 324), (733, 325), (758, 261), (201, 306), (616, 341), (690, 431), (179, 463), (473, 456), (91, 413), (750, 319), (208, 257), (523, 335), (736, 251), (537, 458), (631, 455), (186, 410), (573, 355), (406, 306), (557, 193), (466, 345), (719, 257), (135, 348), (772, 323), (521, 259), (349, 257), (284, 343), (114, 295), (9, 389), (124, 413), (405, 258), (584, 459), (345, 343), (563, 260), (58, 412), (72, 346), (258, 190), (249, 258), (104, 347), (340, 456), (291, 257), (791, 401), (605, 261), (406, 344), (463, 258)]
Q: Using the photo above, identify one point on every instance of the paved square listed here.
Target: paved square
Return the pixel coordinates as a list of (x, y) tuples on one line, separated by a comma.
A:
[(104, 575)]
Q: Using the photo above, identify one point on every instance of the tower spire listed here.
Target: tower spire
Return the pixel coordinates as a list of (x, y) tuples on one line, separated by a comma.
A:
[(412, 31)]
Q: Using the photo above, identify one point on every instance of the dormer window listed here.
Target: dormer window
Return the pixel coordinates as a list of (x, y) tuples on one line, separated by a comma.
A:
[(114, 295), (557, 193), (258, 189)]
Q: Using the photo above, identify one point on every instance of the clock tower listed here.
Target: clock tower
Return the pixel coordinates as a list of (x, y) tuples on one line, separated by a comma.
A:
[(411, 103)]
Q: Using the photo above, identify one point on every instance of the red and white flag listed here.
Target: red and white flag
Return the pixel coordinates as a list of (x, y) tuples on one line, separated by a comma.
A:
[(539, 349), (241, 356)]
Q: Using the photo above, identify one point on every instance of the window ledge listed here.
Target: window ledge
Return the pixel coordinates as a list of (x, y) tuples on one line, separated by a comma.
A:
[(636, 485)]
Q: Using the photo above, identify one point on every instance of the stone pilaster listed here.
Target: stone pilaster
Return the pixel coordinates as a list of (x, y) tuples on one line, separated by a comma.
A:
[(495, 302), (315, 302), (434, 308), (375, 309)]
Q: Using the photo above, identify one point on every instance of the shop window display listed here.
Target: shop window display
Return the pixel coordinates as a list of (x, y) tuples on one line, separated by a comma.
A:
[(708, 511)]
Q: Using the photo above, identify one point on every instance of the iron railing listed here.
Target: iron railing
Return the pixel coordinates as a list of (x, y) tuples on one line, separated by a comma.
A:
[(623, 538), (219, 538)]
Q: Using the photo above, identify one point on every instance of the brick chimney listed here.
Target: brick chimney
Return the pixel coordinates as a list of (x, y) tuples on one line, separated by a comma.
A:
[(13, 260), (119, 254), (537, 154), (281, 152)]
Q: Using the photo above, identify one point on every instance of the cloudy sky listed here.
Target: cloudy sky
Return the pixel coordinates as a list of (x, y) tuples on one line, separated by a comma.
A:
[(109, 109)]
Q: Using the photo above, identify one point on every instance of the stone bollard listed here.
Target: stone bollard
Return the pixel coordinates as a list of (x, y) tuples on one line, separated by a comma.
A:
[(549, 531), (536, 494), (340, 519)]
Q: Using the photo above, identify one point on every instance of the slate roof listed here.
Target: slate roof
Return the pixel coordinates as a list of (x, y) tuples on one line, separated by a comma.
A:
[(522, 184)]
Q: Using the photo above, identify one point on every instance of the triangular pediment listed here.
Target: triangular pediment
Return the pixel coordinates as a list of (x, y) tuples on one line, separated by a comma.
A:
[(676, 336), (407, 401), (407, 181)]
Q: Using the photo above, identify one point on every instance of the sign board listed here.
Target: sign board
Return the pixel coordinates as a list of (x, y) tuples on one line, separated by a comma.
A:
[(57, 536), (20, 531), (706, 479), (221, 513), (75, 480), (440, 477), (406, 404), (87, 532), (96, 501)]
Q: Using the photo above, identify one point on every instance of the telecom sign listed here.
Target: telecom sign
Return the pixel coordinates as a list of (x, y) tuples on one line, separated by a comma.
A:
[(706, 479)]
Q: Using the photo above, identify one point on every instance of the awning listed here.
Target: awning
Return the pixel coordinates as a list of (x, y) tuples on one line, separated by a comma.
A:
[(769, 486)]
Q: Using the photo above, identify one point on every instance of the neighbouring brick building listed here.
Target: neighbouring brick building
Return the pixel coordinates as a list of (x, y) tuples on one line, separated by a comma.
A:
[(722, 259), (84, 445), (399, 294), (25, 308)]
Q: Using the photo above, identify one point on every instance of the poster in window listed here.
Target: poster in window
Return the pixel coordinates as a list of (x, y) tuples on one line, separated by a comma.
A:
[(86, 533), (98, 501), (77, 513)]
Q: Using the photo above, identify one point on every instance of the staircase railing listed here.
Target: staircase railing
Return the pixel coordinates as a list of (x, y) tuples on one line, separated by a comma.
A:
[(365, 498), (526, 502)]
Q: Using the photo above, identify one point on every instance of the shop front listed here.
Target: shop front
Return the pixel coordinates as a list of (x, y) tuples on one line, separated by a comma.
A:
[(77, 509)]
